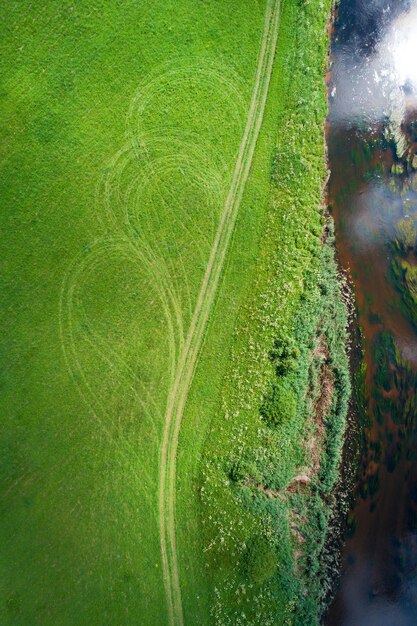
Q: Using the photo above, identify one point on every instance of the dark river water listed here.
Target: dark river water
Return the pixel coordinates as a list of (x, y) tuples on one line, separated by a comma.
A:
[(372, 142)]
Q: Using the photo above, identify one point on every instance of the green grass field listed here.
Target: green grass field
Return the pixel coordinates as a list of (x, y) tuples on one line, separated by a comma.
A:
[(151, 256)]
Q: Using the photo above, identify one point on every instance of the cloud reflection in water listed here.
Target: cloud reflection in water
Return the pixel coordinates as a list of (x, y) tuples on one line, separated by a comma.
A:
[(378, 80)]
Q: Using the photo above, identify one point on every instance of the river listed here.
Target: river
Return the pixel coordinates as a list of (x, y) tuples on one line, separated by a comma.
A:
[(372, 144)]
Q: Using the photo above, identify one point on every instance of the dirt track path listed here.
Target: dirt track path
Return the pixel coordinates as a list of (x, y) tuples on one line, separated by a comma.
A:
[(188, 358)]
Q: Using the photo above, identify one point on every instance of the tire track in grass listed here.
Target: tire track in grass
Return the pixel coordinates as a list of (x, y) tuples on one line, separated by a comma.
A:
[(188, 358)]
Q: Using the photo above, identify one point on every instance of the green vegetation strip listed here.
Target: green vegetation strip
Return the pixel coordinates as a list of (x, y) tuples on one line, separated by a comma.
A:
[(262, 530)]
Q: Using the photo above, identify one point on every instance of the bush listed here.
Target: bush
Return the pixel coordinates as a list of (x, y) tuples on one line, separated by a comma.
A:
[(244, 469), (279, 406), (284, 355), (260, 560)]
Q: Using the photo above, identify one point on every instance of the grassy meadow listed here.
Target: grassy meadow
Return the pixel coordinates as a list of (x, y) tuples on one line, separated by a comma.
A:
[(121, 125)]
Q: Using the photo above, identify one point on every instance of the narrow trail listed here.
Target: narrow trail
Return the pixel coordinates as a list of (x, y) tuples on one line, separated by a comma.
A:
[(189, 355)]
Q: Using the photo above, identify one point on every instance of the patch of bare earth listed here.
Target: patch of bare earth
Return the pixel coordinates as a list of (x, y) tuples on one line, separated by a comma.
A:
[(263, 488), (320, 399)]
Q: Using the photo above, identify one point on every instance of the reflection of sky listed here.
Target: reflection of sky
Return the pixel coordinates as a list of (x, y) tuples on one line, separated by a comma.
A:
[(377, 210), (401, 45), (372, 221), (376, 79), (369, 222), (367, 609)]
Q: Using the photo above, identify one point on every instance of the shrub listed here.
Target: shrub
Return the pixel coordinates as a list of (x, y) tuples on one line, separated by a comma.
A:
[(279, 406), (284, 355), (260, 560), (243, 469)]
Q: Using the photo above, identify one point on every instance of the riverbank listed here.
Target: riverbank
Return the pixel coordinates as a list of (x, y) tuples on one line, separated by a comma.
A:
[(274, 447)]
